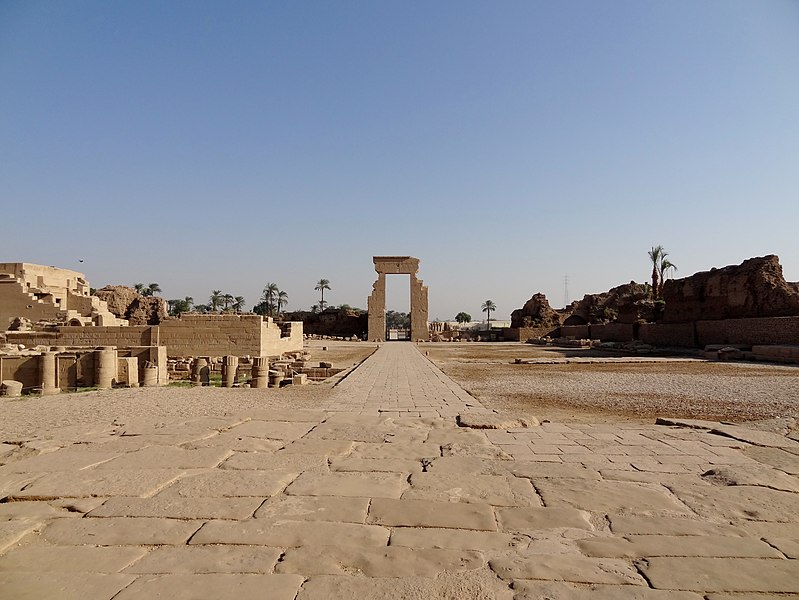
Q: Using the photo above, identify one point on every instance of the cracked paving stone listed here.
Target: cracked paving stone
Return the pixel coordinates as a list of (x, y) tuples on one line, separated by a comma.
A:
[(565, 567), (722, 574), (191, 587), (207, 559)]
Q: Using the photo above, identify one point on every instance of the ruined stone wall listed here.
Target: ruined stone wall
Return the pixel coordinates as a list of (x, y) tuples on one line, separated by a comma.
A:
[(15, 301), (775, 330), (522, 334), (190, 335), (666, 334), (576, 331), (612, 332), (755, 288), (82, 337)]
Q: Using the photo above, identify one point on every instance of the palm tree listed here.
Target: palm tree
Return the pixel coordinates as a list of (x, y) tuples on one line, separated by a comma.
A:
[(271, 292), (282, 299), (227, 300), (139, 287), (178, 307), (152, 289), (322, 285), (661, 266), (656, 255), (487, 307), (664, 267), (215, 300), (238, 303)]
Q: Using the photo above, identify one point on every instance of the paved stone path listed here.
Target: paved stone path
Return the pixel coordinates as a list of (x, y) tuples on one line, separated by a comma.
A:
[(379, 493)]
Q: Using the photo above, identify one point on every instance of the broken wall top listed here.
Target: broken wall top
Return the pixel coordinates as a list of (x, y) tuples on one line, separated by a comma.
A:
[(755, 288), (403, 265)]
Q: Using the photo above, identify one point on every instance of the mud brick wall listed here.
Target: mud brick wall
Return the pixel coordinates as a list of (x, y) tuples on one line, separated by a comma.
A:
[(668, 334), (580, 332), (766, 330), (613, 332), (522, 334)]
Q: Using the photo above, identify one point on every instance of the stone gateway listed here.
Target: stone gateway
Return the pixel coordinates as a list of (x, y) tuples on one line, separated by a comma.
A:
[(376, 303)]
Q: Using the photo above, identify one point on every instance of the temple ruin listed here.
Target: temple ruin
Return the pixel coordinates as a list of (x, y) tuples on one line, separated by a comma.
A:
[(376, 303)]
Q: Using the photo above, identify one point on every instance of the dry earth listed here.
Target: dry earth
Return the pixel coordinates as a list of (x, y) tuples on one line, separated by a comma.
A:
[(614, 389)]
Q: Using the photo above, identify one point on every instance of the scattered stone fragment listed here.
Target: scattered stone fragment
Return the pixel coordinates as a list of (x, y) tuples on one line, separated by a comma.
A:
[(487, 420)]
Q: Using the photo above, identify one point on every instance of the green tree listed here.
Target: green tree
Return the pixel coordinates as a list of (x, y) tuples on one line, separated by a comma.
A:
[(139, 287), (238, 303), (215, 301), (655, 255), (281, 300), (179, 306), (152, 289), (661, 266), (463, 317), (321, 286), (227, 301), (665, 266), (487, 307)]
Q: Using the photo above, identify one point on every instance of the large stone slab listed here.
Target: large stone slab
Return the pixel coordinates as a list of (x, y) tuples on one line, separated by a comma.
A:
[(643, 525), (722, 574), (165, 457), (231, 483), (487, 420), (60, 460), (63, 586), (488, 489), (607, 496), (119, 531), (178, 508), (474, 585), (537, 470), (457, 539), (565, 567), (237, 443), (289, 534), (756, 476), (314, 508), (374, 485), (320, 447), (267, 461), (406, 451), (273, 430), (739, 502), (424, 513), (353, 432), (777, 458), (290, 415), (391, 561), (191, 587), (521, 519), (547, 590), (207, 559), (641, 546), (83, 484), (757, 437), (13, 531), (70, 559), (365, 465)]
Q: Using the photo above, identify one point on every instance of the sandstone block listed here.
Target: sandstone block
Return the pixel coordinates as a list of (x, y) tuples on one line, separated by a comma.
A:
[(189, 587), (423, 513), (314, 508), (374, 485), (178, 508), (722, 574), (64, 586), (207, 559), (289, 534), (575, 569), (69, 559), (119, 531)]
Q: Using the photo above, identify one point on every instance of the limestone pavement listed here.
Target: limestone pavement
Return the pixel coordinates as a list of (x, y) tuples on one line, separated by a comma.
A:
[(378, 492)]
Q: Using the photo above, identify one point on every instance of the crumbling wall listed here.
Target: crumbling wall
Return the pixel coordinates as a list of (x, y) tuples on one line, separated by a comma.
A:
[(127, 303), (522, 334), (664, 334), (748, 332), (536, 312), (755, 288)]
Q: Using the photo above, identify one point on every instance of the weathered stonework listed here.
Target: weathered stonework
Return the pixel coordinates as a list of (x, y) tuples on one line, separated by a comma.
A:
[(376, 303)]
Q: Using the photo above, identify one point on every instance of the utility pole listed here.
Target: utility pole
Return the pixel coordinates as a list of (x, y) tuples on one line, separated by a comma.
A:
[(565, 291)]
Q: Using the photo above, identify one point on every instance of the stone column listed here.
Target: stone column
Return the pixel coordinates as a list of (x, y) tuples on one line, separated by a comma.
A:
[(150, 378), (260, 372), (230, 365), (105, 367), (48, 373), (419, 311), (376, 306)]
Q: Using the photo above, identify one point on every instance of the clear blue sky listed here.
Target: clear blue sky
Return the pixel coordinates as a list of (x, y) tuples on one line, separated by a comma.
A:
[(221, 145)]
